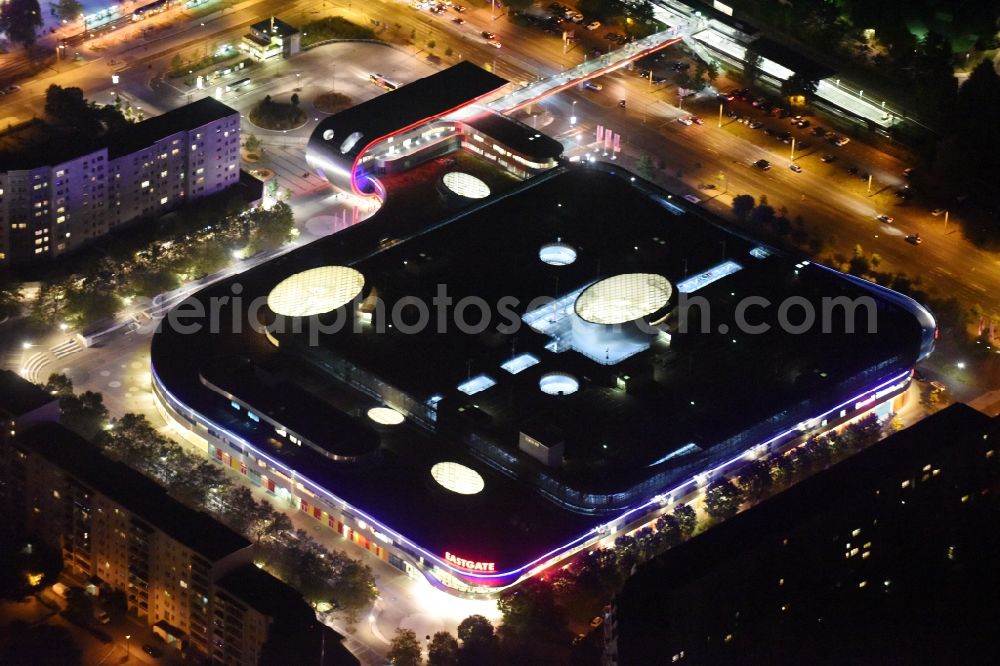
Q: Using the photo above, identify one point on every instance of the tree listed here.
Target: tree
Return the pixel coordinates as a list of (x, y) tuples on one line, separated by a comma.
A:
[(755, 479), (670, 528), (644, 166), (20, 19), (404, 649), (175, 64), (762, 215), (751, 66), (133, 440), (799, 85), (10, 298), (530, 613), (69, 10), (84, 414), (723, 499), (443, 650), (59, 385), (687, 519), (479, 641), (270, 229), (743, 204), (252, 143)]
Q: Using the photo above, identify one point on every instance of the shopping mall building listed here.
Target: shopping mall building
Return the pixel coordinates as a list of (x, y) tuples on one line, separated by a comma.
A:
[(516, 358)]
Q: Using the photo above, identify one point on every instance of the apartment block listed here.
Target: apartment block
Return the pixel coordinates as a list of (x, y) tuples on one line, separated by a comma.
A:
[(64, 194), (184, 573)]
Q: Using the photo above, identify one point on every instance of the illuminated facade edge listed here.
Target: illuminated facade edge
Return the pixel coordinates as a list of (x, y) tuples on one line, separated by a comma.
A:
[(498, 580)]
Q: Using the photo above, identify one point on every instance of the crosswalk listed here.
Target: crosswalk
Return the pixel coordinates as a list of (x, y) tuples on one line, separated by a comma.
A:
[(64, 349)]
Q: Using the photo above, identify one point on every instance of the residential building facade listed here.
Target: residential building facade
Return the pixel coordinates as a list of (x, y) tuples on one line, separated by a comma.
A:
[(55, 200)]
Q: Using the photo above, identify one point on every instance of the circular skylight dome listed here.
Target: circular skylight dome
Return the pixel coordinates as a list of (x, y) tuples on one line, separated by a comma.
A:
[(623, 298), (466, 185), (558, 383), (557, 254), (315, 291), (385, 416), (458, 478)]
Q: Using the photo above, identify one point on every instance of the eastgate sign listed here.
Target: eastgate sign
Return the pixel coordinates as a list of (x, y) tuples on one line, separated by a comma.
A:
[(469, 564)]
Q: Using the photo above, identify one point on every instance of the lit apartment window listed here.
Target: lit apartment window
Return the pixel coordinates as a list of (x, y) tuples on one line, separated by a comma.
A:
[(163, 174), (200, 170), (60, 173), (38, 250), (163, 200), (145, 184), (60, 219), (194, 146)]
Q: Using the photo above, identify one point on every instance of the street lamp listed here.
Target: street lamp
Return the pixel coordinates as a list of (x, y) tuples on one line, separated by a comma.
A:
[(572, 116), (128, 637)]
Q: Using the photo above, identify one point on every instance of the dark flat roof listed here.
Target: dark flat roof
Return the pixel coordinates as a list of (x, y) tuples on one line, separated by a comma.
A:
[(420, 100), (18, 396), (707, 565), (142, 496), (148, 132), (516, 135), (265, 593), (700, 393), (275, 26), (273, 395), (790, 58), (38, 144)]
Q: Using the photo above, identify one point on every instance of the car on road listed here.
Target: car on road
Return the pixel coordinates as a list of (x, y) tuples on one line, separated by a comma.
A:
[(827, 157), (592, 85), (494, 43), (908, 172), (795, 167), (885, 218), (763, 165), (576, 17), (685, 120), (755, 124), (488, 35), (802, 124), (458, 20), (914, 239), (840, 141), (853, 170), (597, 621), (784, 137), (9, 90), (728, 95), (593, 25), (696, 120), (937, 211), (818, 131), (905, 194)]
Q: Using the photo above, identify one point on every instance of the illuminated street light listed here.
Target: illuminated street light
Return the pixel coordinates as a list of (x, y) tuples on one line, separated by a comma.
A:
[(25, 345), (960, 365)]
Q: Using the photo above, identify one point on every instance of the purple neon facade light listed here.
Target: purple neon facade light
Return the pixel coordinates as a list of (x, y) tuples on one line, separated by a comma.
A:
[(511, 576)]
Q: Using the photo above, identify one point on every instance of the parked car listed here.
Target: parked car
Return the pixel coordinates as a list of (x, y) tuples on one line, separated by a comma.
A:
[(795, 167), (755, 124), (827, 158), (596, 622), (593, 25), (696, 120), (818, 131), (841, 141), (908, 172), (685, 120), (458, 20), (937, 211)]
